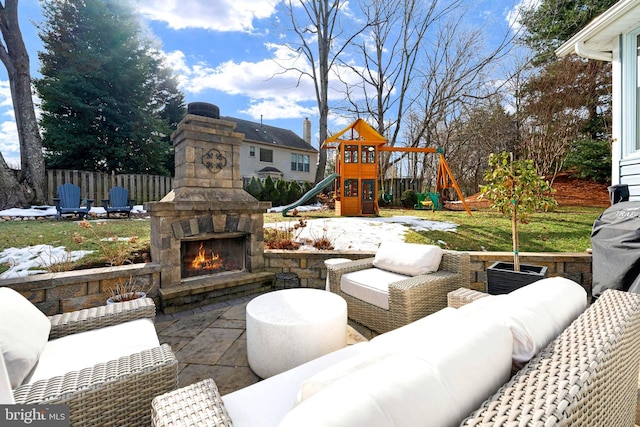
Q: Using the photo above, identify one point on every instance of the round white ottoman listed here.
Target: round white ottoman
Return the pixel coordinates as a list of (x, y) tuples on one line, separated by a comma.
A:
[(333, 261), (290, 327)]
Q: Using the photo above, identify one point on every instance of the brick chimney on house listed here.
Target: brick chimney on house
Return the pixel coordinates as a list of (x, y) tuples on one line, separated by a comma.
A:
[(306, 130)]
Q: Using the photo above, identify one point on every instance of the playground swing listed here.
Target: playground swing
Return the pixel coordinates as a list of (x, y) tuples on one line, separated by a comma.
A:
[(387, 197)]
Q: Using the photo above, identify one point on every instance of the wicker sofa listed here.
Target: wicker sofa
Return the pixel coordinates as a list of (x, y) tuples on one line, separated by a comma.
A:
[(586, 376), (115, 392), (409, 299)]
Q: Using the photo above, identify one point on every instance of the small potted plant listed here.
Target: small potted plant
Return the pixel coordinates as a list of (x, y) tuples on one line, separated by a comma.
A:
[(515, 189), (127, 291)]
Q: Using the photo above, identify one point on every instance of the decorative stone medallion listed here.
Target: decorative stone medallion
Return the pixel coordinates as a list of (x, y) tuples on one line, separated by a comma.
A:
[(214, 160)]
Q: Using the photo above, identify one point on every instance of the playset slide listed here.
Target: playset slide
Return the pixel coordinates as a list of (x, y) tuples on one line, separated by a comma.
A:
[(311, 193)]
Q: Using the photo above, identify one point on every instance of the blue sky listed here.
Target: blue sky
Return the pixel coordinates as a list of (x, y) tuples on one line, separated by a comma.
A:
[(227, 52)]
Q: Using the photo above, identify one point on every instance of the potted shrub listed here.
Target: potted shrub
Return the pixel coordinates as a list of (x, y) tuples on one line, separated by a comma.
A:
[(127, 291), (515, 189)]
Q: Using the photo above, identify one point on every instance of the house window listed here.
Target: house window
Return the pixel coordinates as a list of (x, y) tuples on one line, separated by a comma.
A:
[(351, 154), (305, 162), (351, 188), (630, 93), (300, 167), (294, 161), (266, 155), (252, 151), (368, 154)]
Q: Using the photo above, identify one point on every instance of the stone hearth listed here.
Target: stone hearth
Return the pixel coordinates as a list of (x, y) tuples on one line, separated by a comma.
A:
[(207, 202)]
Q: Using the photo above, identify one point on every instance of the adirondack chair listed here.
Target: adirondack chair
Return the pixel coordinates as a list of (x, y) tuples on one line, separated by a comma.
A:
[(118, 201), (69, 200)]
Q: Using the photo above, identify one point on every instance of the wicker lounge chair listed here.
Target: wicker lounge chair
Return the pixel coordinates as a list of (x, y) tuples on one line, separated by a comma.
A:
[(116, 393), (410, 299)]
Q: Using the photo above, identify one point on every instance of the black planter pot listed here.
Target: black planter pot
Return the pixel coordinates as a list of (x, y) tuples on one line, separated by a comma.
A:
[(501, 279)]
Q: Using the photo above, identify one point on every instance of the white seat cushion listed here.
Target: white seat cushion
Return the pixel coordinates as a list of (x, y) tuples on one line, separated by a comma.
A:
[(370, 285), (270, 400), (6, 391), (410, 259), (24, 331), (85, 349)]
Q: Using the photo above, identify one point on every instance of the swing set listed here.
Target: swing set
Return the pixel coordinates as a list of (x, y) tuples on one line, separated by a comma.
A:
[(357, 168)]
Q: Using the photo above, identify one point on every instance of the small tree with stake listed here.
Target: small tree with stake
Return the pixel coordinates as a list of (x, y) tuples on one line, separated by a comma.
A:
[(515, 189)]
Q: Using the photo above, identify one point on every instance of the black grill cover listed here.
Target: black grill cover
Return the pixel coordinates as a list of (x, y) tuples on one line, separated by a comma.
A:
[(615, 242)]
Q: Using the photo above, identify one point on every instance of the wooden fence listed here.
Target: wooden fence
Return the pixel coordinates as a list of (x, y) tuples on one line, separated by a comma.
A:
[(96, 185), (397, 186)]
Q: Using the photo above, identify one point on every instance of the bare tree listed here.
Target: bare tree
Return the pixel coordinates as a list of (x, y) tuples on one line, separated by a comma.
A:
[(29, 185), (557, 106), (320, 19), (388, 53)]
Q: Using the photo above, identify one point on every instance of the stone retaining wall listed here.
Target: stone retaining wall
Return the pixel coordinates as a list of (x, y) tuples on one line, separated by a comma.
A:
[(55, 293), (309, 266)]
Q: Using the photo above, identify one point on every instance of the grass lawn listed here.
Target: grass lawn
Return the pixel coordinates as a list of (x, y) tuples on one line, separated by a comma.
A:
[(565, 230)]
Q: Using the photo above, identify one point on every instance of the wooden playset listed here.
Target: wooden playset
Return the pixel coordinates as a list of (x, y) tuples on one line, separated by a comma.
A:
[(356, 186)]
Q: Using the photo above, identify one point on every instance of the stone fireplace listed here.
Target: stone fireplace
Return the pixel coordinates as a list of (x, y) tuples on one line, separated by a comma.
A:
[(207, 232)]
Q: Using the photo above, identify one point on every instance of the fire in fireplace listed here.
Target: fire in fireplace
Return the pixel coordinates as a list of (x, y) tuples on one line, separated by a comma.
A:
[(213, 256)]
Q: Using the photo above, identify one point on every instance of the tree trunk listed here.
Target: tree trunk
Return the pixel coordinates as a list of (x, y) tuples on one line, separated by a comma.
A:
[(14, 56)]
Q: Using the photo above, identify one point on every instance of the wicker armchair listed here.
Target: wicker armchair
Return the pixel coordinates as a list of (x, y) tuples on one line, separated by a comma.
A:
[(116, 393), (410, 299)]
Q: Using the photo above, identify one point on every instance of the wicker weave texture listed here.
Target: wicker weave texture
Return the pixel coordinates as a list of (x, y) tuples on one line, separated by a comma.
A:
[(463, 296), (99, 317), (587, 376), (116, 393), (410, 299), (198, 404)]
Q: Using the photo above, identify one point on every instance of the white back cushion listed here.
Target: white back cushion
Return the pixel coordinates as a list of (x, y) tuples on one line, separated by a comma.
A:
[(410, 259), (382, 347), (24, 331), (536, 313), (6, 393), (436, 381)]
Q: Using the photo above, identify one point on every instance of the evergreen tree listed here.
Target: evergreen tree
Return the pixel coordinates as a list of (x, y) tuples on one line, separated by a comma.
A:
[(254, 187), (294, 192), (107, 100)]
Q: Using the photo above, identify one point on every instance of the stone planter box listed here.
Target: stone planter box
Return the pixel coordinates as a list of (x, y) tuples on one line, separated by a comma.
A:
[(55, 293)]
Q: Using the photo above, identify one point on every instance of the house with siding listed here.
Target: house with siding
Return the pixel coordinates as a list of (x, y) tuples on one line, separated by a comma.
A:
[(276, 152), (614, 36)]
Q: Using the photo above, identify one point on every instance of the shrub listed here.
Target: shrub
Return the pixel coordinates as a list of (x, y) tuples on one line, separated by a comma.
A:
[(254, 187), (591, 159), (409, 199)]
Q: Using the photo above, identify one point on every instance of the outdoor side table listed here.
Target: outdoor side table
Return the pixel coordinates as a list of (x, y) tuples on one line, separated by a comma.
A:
[(290, 327), (286, 280)]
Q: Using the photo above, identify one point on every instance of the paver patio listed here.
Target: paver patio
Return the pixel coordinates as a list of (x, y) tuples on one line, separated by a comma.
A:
[(210, 342)]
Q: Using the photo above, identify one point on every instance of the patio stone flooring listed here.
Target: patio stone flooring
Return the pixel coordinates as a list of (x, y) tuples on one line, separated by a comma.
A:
[(210, 342)]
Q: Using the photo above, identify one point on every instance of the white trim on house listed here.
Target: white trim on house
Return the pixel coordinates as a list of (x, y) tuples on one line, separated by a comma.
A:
[(613, 36), (595, 41)]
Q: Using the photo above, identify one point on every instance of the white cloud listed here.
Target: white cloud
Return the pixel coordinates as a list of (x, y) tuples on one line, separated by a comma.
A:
[(513, 15), (274, 85), (9, 144), (219, 15)]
